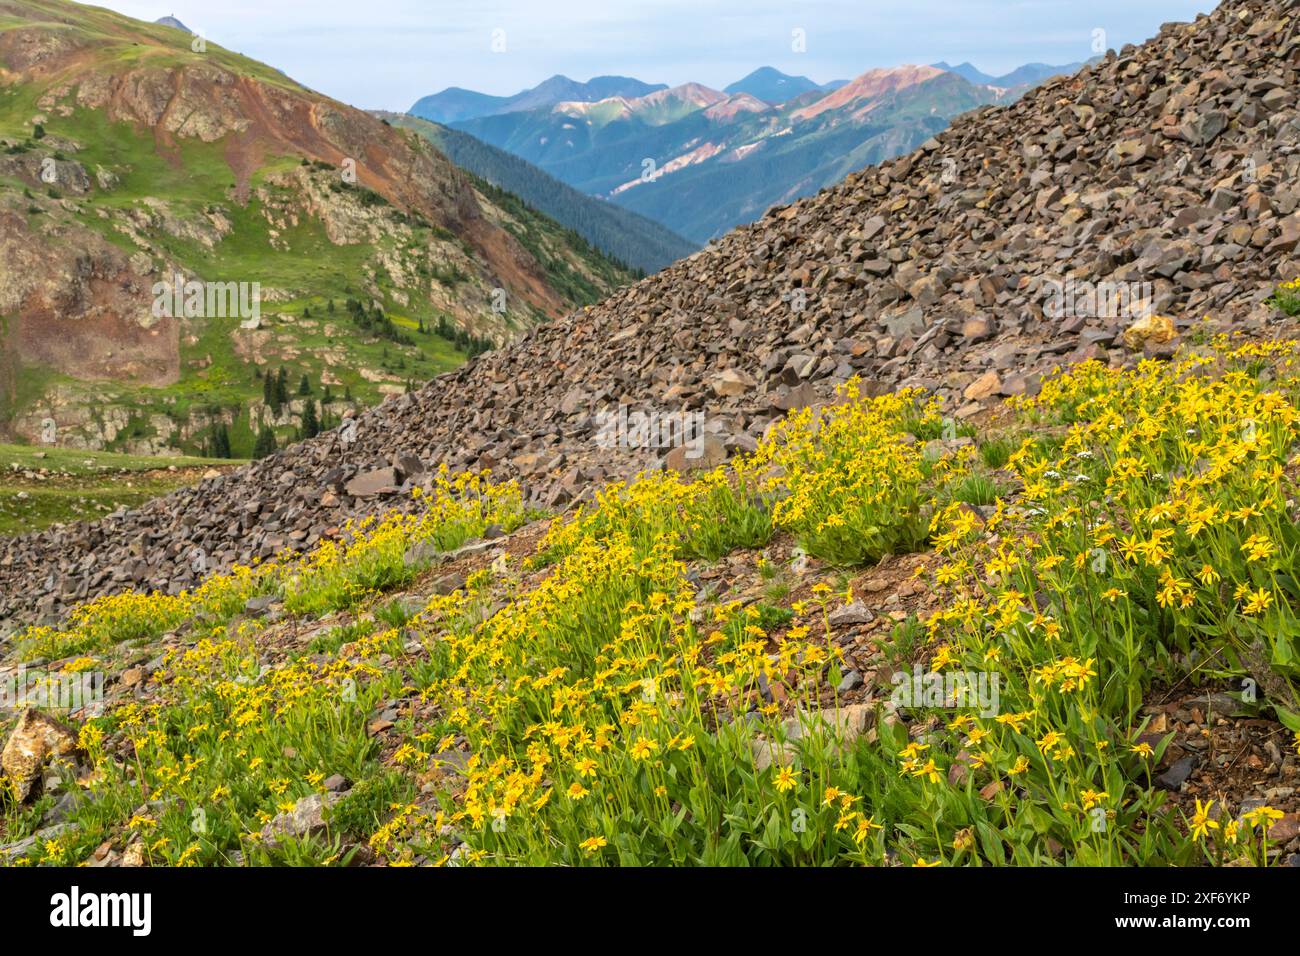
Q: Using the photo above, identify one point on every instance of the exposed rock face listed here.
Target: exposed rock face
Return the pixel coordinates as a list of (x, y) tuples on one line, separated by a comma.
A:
[(1164, 175), (54, 271), (178, 96), (34, 742), (307, 818)]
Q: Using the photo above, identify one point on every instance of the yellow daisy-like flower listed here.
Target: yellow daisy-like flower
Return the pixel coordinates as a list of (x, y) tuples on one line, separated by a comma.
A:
[(1258, 602), (929, 771), (643, 749), (865, 826), (786, 780), (1261, 816), (1049, 740), (1092, 798), (1201, 822)]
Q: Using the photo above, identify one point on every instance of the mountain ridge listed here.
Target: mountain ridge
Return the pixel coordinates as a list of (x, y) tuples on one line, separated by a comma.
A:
[(455, 103), (1026, 73), (131, 156), (702, 161)]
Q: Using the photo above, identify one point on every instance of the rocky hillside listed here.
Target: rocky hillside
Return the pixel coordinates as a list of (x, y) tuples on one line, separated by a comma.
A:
[(1172, 164), (132, 153)]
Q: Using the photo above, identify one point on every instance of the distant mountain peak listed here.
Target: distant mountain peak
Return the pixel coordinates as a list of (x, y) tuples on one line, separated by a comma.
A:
[(1026, 75), (171, 21), (455, 105), (769, 84), (869, 87), (558, 81)]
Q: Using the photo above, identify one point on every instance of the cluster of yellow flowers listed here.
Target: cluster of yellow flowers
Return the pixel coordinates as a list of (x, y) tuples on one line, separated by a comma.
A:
[(224, 747), (594, 710), (575, 701), (613, 714), (133, 616), (369, 560), (1287, 297), (231, 742), (852, 488), (1156, 525)]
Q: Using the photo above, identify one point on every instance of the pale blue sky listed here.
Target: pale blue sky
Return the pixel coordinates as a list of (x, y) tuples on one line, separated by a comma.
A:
[(388, 53)]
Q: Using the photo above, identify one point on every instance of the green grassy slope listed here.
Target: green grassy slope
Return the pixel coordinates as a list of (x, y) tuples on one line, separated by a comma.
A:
[(43, 486)]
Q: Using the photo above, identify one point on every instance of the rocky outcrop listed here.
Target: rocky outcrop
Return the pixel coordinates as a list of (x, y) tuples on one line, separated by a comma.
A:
[(1164, 174), (37, 740)]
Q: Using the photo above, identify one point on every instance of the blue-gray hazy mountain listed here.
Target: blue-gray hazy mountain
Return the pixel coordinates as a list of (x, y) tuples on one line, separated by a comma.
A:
[(771, 85), (619, 233), (1031, 74), (968, 72), (455, 104)]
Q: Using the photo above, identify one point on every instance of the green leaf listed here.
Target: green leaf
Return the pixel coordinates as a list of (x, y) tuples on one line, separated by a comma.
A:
[(1288, 718)]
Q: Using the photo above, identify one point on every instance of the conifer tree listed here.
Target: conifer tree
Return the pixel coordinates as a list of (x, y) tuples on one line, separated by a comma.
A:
[(266, 444), (310, 422), (282, 388)]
